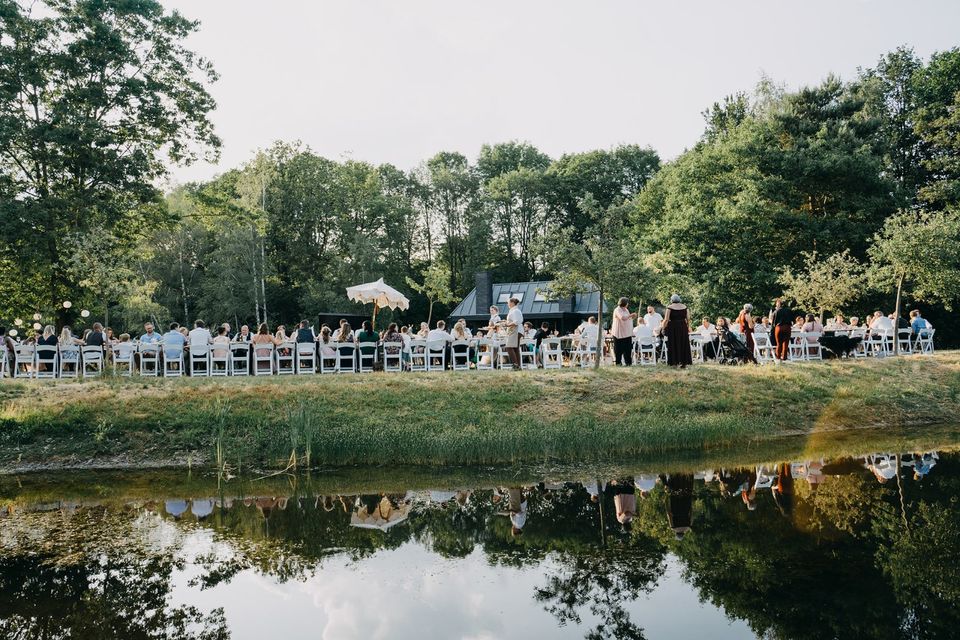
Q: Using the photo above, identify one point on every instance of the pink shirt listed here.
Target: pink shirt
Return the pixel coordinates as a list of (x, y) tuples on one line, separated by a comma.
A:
[(622, 326)]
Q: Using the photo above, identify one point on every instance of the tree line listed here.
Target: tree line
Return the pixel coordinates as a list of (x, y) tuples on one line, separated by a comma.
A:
[(842, 193)]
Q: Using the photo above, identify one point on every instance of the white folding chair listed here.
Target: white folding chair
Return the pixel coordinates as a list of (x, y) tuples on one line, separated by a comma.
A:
[(905, 340), (860, 351), (92, 361), (123, 358), (306, 357), (172, 362), (263, 359), (646, 350), (877, 344), (24, 356), (328, 357), (696, 347), (199, 360), (585, 352), (812, 350), (763, 349), (240, 359), (436, 351), (69, 361), (528, 353), (798, 349), (220, 360), (3, 359), (460, 355), (366, 356), (486, 354), (503, 358), (286, 356), (418, 355), (149, 359), (551, 353), (924, 341), (46, 367), (346, 357), (392, 356)]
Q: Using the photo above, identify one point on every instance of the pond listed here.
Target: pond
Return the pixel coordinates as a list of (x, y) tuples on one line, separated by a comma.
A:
[(850, 547)]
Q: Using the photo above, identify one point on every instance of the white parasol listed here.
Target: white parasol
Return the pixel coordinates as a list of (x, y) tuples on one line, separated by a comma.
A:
[(382, 295), (384, 516)]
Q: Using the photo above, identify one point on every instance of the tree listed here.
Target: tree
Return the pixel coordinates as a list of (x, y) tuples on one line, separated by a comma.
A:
[(93, 96), (920, 251), (828, 283), (435, 287), (600, 260)]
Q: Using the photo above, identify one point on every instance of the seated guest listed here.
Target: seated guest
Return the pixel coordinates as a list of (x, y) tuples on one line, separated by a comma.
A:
[(173, 342), (528, 330), (460, 330), (199, 335), (8, 343), (812, 325), (185, 333), (881, 323), (440, 333), (392, 334), (797, 324), (326, 342), (305, 332), (367, 335), (653, 320), (541, 333), (243, 335), (836, 323), (221, 340), (642, 331), (226, 325), (901, 321), (345, 334), (151, 336), (97, 337), (707, 330), (110, 337), (854, 323), (763, 326), (281, 334), (263, 344), (919, 325), (589, 331), (67, 340)]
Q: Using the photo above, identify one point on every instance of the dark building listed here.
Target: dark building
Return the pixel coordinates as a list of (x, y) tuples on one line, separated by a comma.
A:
[(564, 314)]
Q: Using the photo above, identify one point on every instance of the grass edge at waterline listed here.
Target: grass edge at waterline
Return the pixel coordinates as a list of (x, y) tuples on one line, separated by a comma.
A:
[(465, 418)]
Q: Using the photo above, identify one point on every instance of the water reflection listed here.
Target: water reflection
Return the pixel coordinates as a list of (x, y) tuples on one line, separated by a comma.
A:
[(861, 547)]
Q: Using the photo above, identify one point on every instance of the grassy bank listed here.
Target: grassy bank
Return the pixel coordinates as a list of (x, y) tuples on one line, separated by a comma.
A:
[(467, 417)]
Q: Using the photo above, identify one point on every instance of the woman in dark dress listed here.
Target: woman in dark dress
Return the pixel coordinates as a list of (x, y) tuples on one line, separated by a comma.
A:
[(747, 323), (676, 327)]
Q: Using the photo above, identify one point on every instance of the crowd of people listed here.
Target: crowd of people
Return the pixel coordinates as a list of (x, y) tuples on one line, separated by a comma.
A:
[(668, 333)]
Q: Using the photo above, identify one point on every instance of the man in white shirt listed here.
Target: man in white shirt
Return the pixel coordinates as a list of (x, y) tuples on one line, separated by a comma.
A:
[(200, 335), (589, 331), (642, 330), (707, 329), (513, 325), (881, 324), (653, 320), (440, 333)]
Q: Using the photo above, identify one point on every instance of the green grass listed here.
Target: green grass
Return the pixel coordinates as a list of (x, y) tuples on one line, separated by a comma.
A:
[(467, 418)]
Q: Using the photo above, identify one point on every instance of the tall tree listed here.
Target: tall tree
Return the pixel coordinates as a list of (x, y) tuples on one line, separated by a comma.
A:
[(825, 283), (94, 95)]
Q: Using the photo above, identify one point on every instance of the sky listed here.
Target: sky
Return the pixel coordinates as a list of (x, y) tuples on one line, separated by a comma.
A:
[(399, 80)]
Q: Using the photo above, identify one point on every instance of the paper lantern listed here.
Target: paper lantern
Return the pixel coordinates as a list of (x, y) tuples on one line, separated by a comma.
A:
[(67, 304), (37, 316), (37, 326), (18, 322), (13, 332), (84, 314)]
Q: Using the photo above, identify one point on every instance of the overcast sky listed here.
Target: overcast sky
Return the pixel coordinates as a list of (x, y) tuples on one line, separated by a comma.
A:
[(398, 80)]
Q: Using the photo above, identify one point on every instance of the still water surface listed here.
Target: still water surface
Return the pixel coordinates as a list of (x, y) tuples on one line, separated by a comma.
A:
[(858, 547)]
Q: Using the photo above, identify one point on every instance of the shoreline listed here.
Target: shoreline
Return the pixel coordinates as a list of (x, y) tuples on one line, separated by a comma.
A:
[(465, 418)]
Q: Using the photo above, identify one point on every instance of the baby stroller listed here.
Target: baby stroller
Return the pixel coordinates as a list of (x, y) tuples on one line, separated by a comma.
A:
[(733, 350)]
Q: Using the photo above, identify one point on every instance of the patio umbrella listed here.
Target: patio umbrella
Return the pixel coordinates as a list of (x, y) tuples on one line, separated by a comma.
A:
[(382, 518), (380, 294)]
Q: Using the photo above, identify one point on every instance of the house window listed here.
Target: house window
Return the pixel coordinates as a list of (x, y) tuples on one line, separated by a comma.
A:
[(503, 298), (540, 296)]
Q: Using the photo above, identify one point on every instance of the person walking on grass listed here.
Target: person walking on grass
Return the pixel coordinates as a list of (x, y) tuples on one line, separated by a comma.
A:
[(512, 324), (781, 319), (676, 329)]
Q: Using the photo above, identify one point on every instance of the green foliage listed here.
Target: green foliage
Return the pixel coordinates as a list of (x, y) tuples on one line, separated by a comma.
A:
[(828, 283), (921, 252), (435, 287), (94, 97)]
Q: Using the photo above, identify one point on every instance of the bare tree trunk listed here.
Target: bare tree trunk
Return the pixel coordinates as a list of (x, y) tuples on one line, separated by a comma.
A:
[(183, 285), (596, 360), (430, 314), (253, 267), (263, 278), (896, 319)]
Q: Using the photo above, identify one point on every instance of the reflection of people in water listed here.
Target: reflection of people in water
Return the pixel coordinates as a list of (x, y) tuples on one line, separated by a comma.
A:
[(883, 466), (924, 463), (624, 501), (517, 506), (741, 482), (594, 488), (783, 489), (679, 489), (175, 508), (201, 508)]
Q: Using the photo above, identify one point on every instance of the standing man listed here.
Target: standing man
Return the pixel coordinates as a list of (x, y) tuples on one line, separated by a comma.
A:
[(781, 317), (622, 331), (653, 320), (513, 323)]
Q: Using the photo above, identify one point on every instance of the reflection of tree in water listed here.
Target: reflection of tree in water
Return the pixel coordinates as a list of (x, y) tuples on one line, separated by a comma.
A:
[(79, 584)]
